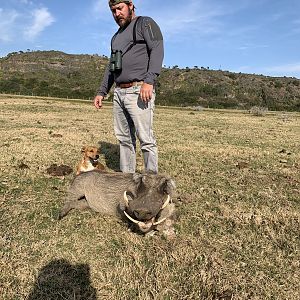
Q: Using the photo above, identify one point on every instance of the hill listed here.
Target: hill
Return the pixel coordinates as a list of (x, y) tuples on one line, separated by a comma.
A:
[(57, 74)]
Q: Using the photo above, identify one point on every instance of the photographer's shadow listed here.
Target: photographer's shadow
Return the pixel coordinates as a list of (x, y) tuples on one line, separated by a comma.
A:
[(61, 280), (111, 154)]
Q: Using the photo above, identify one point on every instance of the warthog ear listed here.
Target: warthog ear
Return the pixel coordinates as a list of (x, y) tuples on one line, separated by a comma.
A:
[(167, 186), (137, 178)]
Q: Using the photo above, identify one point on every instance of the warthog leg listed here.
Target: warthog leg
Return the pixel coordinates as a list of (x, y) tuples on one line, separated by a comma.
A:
[(73, 202)]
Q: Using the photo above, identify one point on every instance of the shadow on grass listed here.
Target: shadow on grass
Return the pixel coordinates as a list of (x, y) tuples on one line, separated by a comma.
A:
[(61, 280), (111, 154)]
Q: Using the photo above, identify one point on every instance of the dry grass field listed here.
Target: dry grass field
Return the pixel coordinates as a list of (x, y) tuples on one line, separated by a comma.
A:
[(238, 179)]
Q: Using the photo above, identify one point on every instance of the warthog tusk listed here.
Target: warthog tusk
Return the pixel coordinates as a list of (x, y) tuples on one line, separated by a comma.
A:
[(126, 199), (166, 202), (160, 221), (131, 219), (140, 222)]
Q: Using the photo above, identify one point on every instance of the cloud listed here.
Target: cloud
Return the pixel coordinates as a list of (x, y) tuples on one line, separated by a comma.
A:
[(7, 23), (296, 27), (100, 10), (251, 47), (197, 18), (42, 18), (177, 20), (26, 2), (285, 69), (243, 69), (297, 22), (197, 15), (292, 70)]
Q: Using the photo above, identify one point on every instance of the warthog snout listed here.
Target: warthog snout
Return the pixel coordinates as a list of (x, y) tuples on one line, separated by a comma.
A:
[(142, 214)]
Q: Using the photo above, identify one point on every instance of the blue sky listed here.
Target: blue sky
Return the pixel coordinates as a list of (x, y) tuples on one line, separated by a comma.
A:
[(248, 36)]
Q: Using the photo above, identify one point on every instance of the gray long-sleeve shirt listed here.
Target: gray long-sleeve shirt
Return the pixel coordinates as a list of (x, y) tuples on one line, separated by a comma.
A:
[(142, 62)]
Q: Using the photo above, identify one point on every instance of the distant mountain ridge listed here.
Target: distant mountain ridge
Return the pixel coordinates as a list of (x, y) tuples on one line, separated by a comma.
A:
[(57, 74)]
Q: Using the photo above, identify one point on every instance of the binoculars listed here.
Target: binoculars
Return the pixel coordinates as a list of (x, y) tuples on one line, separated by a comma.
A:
[(115, 62)]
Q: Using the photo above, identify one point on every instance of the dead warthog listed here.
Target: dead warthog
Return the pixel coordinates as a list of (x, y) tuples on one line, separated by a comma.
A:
[(143, 199)]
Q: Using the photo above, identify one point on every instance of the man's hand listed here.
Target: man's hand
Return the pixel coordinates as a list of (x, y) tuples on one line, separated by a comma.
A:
[(98, 101), (146, 92)]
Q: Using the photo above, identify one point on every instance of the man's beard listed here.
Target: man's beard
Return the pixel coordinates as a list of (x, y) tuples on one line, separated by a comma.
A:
[(124, 22)]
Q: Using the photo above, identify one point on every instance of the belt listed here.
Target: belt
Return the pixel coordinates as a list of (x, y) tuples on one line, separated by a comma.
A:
[(125, 85)]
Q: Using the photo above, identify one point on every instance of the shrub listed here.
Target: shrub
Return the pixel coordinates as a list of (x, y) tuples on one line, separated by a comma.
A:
[(258, 111)]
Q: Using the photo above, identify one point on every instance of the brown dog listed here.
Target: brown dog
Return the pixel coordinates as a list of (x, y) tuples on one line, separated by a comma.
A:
[(89, 161)]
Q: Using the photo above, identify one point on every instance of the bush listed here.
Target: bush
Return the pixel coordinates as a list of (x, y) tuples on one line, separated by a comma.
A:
[(258, 111)]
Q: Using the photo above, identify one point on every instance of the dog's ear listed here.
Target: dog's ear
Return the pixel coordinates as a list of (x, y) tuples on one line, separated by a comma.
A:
[(83, 149)]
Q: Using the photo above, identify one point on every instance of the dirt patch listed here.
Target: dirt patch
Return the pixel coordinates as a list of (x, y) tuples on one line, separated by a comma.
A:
[(61, 170)]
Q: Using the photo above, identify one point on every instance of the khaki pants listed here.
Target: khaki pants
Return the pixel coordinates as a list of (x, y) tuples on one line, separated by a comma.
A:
[(134, 118)]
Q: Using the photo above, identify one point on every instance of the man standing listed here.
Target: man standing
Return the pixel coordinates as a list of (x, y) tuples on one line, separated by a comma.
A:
[(135, 62)]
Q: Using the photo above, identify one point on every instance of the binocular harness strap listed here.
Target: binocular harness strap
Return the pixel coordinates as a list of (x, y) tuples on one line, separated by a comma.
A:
[(134, 37)]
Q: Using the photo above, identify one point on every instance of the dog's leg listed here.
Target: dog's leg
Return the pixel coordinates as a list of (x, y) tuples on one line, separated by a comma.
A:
[(73, 202), (100, 167)]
